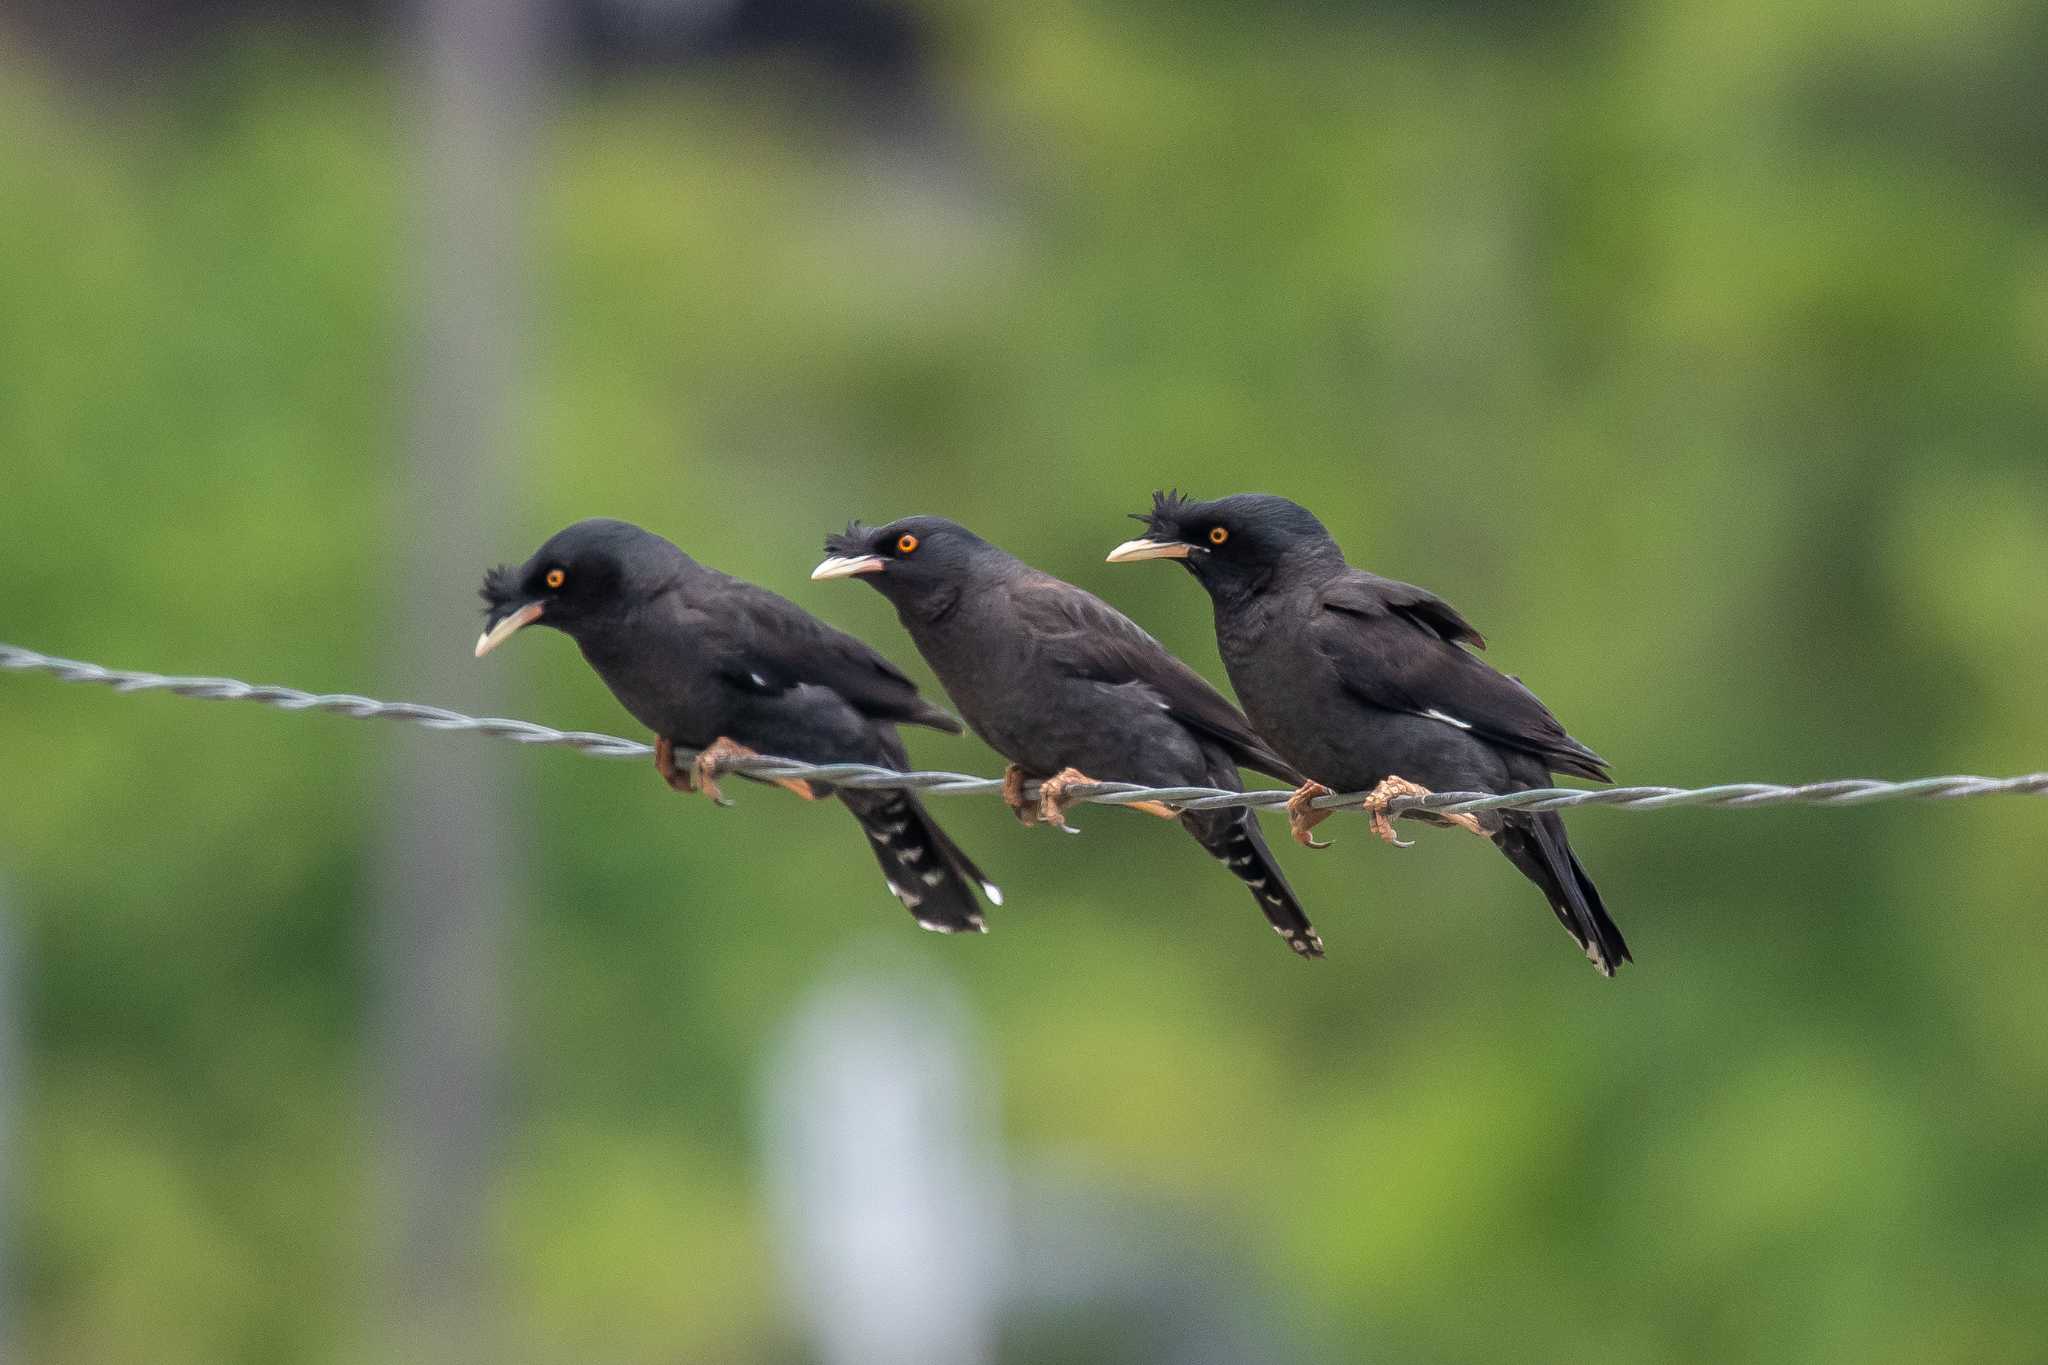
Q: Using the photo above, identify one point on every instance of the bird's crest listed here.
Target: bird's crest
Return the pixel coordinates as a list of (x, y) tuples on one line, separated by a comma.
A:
[(1164, 520), (501, 587), (852, 541)]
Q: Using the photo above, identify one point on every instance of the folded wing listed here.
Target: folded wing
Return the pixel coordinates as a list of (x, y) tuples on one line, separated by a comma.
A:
[(1091, 639), (780, 646), (1401, 648)]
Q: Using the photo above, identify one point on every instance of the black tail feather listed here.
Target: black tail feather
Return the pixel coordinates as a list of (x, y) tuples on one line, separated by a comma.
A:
[(925, 869), (1537, 845), (1237, 843)]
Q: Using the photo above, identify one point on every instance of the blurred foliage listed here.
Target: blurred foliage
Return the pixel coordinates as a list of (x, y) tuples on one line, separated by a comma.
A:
[(1696, 351)]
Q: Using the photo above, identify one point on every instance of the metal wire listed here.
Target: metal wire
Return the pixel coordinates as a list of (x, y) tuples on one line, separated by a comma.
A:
[(862, 776)]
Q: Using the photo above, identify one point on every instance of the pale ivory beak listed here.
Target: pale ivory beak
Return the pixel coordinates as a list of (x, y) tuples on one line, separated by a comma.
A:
[(846, 566), (498, 634), (1133, 550)]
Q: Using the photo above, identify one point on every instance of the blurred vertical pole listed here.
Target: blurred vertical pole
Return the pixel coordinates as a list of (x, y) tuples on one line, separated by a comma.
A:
[(443, 880)]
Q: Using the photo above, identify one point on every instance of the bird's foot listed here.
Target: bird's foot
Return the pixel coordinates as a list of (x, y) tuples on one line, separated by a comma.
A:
[(1032, 812), (1014, 782), (1054, 798), (678, 779), (1302, 817), (715, 760), (1377, 799)]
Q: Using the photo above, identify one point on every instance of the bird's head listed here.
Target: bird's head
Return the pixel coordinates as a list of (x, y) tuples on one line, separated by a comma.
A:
[(584, 576), (909, 561), (1232, 544)]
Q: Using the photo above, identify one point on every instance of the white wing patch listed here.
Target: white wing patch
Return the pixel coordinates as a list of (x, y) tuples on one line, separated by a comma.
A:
[(1435, 714)]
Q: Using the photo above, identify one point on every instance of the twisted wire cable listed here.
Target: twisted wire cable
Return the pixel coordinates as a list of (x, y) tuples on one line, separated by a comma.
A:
[(862, 776)]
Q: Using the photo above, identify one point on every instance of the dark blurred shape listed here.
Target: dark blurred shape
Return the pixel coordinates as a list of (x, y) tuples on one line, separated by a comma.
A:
[(869, 42), (878, 47)]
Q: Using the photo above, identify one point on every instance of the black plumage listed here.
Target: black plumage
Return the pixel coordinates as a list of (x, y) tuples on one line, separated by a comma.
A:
[(1365, 683), (717, 664), (1071, 690)]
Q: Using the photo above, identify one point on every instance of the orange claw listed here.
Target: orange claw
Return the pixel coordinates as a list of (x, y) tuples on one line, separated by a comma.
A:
[(1014, 782), (711, 763), (1376, 804), (1053, 799), (1302, 817), (665, 763)]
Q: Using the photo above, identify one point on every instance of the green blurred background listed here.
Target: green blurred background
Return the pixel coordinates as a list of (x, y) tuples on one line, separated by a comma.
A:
[(1697, 351)]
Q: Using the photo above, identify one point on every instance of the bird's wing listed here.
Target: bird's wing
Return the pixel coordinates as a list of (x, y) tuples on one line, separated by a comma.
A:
[(1399, 647), (1085, 636), (772, 645), (1369, 595)]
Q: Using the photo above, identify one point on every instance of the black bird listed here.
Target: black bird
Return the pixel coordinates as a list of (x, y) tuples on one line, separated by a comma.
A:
[(1364, 683), (1071, 691), (714, 663)]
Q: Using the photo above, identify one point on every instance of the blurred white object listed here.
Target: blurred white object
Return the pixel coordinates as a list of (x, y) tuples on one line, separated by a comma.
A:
[(884, 1177)]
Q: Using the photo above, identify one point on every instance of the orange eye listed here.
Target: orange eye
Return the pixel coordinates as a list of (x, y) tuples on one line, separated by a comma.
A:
[(905, 543), (556, 578), (1217, 535)]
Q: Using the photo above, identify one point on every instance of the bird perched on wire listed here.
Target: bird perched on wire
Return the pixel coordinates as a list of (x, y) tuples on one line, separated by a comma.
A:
[(714, 663), (1071, 691), (1364, 683)]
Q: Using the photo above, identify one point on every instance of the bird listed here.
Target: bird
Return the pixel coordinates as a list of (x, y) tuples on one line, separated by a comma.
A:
[(1364, 683), (1071, 691), (714, 663)]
